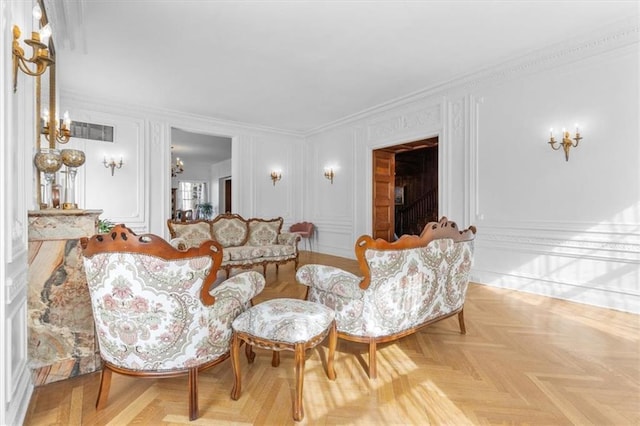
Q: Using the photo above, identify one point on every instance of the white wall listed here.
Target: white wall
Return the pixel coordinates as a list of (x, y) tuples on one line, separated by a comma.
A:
[(565, 229), (17, 147), (141, 197), (121, 196)]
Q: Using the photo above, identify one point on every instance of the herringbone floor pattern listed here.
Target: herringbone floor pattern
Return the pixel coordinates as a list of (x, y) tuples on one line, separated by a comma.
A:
[(525, 359)]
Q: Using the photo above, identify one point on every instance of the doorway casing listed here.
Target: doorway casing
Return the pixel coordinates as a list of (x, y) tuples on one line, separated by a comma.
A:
[(382, 178)]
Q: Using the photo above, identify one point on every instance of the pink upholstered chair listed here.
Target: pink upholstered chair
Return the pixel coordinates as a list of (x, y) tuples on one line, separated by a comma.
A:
[(305, 230)]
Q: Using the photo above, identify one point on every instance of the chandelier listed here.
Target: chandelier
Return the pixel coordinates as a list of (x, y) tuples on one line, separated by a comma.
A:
[(177, 167)]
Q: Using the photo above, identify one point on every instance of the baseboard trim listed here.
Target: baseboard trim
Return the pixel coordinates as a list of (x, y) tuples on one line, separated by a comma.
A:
[(560, 290)]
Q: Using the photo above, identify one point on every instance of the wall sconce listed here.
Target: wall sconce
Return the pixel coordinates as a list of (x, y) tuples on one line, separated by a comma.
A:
[(177, 168), (39, 45), (276, 175), (62, 131), (567, 143), (112, 164), (329, 173)]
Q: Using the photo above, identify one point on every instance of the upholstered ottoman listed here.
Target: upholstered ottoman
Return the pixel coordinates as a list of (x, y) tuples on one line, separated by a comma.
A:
[(284, 324)]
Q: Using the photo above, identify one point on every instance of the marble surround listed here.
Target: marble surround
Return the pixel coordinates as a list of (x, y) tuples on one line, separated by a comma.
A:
[(61, 338)]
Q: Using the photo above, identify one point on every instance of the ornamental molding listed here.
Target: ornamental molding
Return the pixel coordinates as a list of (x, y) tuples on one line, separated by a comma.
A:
[(425, 118), (561, 243), (156, 134), (457, 118), (16, 287), (611, 38), (556, 56), (18, 247)]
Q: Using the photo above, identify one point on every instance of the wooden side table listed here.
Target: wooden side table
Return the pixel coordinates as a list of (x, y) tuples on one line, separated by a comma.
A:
[(284, 324)]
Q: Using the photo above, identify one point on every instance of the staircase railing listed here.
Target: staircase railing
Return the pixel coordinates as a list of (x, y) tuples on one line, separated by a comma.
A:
[(412, 218)]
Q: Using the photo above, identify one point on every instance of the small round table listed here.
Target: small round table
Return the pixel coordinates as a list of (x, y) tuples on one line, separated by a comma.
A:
[(284, 324)]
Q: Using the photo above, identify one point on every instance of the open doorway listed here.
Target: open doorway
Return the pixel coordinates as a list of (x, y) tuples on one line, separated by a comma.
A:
[(405, 188), (197, 157), (225, 195)]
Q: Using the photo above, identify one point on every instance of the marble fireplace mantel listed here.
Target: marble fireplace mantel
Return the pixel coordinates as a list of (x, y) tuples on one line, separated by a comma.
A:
[(61, 341)]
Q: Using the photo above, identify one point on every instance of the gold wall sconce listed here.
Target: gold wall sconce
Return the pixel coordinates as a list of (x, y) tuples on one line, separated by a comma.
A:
[(62, 131), (329, 173), (567, 142), (112, 164), (39, 45), (276, 175)]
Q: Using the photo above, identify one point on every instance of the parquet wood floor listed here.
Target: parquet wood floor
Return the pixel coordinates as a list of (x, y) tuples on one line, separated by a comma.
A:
[(525, 359)]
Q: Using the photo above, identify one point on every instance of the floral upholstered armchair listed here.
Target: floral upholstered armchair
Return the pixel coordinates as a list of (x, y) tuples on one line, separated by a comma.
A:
[(154, 309), (406, 285)]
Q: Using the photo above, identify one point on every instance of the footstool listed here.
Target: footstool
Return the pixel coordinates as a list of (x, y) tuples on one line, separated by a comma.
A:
[(284, 324)]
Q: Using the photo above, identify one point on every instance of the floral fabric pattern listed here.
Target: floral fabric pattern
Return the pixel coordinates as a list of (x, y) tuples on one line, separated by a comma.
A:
[(230, 232), (285, 320), (148, 313), (246, 243), (278, 251), (262, 233), (408, 288), (242, 253), (193, 234), (288, 238)]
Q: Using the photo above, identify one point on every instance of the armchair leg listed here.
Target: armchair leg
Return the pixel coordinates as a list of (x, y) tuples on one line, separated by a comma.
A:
[(248, 351), (298, 410), (193, 393), (235, 365), (373, 368), (277, 268), (463, 329), (333, 340), (105, 385), (264, 270)]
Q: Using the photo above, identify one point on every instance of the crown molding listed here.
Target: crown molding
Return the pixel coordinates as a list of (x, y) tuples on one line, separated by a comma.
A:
[(121, 107), (608, 38)]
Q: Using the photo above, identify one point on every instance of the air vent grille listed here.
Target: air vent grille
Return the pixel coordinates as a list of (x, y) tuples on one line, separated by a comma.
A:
[(96, 132)]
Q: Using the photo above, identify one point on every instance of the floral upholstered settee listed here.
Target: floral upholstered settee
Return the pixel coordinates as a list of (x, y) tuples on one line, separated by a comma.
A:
[(407, 284), (246, 243)]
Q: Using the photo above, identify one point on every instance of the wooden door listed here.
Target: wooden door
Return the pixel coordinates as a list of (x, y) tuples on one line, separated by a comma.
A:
[(227, 196), (383, 189)]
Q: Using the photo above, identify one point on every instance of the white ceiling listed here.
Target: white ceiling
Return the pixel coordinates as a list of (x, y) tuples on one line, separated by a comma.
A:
[(195, 148), (299, 65)]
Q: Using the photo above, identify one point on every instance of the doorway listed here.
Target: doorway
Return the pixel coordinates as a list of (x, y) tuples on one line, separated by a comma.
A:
[(198, 157), (226, 199), (405, 188)]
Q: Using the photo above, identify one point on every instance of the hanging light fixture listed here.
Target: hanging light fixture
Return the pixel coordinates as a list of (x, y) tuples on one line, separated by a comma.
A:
[(177, 167)]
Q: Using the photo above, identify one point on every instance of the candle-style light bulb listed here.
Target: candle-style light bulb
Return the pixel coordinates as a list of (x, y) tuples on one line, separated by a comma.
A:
[(45, 33), (577, 129), (45, 115), (37, 12), (66, 120)]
